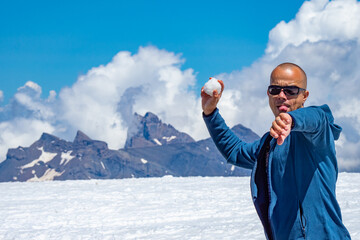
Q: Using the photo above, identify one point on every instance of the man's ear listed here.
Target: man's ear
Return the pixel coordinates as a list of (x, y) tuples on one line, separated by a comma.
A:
[(306, 95)]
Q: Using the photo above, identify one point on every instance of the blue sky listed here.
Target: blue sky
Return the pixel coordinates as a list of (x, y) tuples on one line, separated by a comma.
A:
[(53, 42)]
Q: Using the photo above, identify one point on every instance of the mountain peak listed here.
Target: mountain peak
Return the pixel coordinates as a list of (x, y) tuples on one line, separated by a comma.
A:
[(244, 133), (150, 117), (148, 130), (80, 137), (48, 137)]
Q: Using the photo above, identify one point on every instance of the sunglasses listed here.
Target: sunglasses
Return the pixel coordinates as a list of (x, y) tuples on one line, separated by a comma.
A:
[(288, 90)]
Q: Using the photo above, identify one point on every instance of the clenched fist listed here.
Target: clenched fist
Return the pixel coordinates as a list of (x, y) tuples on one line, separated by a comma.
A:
[(281, 127)]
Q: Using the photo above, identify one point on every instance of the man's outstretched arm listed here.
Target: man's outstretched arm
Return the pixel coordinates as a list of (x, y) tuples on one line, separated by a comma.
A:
[(309, 120)]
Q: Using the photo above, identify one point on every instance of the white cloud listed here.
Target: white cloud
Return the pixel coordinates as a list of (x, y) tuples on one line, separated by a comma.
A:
[(348, 153), (1, 96), (317, 20), (21, 132), (31, 88), (25, 118), (92, 103)]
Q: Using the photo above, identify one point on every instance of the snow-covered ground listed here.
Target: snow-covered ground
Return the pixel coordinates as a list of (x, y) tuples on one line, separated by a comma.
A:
[(153, 208)]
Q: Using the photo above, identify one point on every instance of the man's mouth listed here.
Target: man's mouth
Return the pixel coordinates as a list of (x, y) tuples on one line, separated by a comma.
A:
[(283, 108)]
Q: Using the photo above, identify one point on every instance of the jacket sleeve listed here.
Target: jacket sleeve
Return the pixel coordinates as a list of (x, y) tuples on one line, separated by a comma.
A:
[(314, 121), (231, 147)]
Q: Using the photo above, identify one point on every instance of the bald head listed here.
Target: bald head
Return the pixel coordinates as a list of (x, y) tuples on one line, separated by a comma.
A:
[(291, 70)]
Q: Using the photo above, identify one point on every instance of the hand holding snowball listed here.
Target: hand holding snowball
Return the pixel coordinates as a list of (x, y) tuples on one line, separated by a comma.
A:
[(211, 94), (211, 85)]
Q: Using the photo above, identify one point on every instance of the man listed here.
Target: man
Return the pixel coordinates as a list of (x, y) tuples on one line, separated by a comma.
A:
[(294, 166)]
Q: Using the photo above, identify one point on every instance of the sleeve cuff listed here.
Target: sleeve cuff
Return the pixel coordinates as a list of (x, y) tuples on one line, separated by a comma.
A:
[(211, 114)]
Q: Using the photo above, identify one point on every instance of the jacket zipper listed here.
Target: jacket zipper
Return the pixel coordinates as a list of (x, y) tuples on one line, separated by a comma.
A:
[(268, 184), (302, 220)]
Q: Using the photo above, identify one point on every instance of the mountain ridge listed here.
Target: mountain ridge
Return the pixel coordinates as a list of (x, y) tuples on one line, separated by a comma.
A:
[(154, 149)]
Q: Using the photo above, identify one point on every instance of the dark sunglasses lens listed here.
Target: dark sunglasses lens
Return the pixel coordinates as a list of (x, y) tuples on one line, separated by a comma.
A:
[(291, 91), (274, 90)]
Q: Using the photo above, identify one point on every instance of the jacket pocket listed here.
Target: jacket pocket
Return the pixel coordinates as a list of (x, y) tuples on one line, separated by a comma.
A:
[(302, 220)]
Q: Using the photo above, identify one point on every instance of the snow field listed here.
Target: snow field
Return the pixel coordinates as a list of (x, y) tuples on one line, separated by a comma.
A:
[(147, 208)]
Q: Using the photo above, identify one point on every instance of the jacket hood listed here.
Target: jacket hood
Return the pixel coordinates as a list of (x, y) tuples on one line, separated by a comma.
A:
[(336, 129)]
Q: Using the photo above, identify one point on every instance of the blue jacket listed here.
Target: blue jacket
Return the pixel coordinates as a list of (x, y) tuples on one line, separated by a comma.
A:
[(297, 179)]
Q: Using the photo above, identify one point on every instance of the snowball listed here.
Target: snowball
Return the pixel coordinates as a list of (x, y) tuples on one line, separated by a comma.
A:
[(212, 85)]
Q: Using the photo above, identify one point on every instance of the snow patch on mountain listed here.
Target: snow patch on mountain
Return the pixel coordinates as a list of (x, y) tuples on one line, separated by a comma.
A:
[(48, 176), (157, 141), (66, 157), (45, 157), (169, 139), (102, 164)]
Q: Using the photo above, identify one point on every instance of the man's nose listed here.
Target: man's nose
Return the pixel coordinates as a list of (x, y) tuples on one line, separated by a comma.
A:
[(282, 94)]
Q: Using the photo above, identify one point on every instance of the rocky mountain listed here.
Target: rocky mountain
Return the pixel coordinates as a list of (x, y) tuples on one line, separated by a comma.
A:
[(150, 131), (154, 149)]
